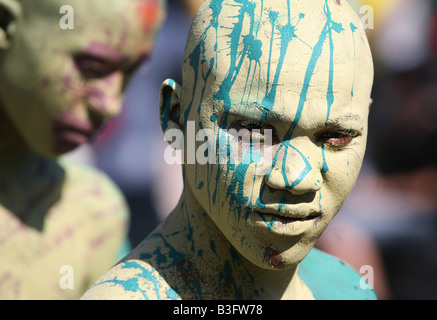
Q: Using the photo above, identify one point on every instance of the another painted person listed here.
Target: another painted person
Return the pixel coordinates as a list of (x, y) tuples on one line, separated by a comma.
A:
[(62, 225), (295, 77)]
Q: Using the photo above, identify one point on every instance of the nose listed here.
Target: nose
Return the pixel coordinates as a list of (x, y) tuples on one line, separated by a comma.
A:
[(104, 96), (293, 170)]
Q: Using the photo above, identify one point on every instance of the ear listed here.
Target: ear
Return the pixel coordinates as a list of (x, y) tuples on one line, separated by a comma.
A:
[(10, 11), (169, 105)]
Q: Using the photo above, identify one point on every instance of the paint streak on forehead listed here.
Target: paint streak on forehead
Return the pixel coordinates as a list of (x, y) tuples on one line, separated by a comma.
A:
[(150, 13), (246, 41)]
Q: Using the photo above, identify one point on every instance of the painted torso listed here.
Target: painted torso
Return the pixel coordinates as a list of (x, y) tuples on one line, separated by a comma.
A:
[(82, 232), (156, 270)]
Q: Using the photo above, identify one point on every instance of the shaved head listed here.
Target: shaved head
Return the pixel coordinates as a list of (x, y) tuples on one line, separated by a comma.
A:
[(316, 43)]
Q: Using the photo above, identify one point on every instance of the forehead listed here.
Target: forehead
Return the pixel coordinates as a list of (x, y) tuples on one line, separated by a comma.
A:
[(109, 14), (123, 25), (274, 53)]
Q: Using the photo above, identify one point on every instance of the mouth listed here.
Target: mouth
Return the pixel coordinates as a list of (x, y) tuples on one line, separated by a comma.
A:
[(71, 134), (287, 223), (286, 220), (291, 213)]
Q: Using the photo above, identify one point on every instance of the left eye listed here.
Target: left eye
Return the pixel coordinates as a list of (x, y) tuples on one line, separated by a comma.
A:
[(93, 67), (338, 138)]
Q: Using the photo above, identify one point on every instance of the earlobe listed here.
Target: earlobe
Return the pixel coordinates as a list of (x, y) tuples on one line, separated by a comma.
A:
[(169, 105), (10, 11)]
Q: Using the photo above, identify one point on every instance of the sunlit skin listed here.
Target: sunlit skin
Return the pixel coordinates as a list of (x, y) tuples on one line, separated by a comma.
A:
[(300, 69), (57, 88), (76, 76)]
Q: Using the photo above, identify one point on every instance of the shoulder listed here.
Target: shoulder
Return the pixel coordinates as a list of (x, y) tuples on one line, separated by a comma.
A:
[(91, 191), (122, 282), (93, 203), (88, 180), (149, 272), (131, 279), (331, 279)]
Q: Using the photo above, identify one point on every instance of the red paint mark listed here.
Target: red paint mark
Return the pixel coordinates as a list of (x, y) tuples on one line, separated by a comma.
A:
[(8, 281), (149, 12), (189, 275), (67, 234), (96, 242), (274, 258)]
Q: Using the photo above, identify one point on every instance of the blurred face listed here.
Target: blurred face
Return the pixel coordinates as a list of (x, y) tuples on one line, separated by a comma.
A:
[(58, 86), (299, 77)]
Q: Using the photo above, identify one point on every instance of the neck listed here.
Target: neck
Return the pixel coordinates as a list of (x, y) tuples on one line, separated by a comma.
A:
[(13, 149), (217, 263), (27, 180)]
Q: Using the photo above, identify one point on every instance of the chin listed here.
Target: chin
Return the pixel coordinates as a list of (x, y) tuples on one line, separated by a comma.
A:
[(50, 153), (275, 257)]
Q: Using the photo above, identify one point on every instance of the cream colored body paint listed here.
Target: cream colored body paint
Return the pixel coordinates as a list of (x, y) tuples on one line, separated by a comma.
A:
[(57, 87), (300, 69)]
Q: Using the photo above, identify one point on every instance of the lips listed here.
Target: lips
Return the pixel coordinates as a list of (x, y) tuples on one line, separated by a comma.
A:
[(70, 133), (290, 213), (289, 221)]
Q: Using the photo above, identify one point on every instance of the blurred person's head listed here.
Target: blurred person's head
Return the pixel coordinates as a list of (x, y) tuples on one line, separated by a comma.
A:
[(302, 70), (59, 85), (404, 116), (404, 123)]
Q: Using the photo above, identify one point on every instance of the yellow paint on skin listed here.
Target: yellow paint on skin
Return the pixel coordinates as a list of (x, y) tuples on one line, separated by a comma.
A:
[(82, 223), (57, 87), (306, 73)]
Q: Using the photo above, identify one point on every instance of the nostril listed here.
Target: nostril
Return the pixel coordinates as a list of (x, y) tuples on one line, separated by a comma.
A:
[(273, 195)]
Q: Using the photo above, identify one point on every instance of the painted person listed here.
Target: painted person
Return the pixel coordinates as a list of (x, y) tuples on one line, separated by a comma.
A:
[(295, 77), (62, 225)]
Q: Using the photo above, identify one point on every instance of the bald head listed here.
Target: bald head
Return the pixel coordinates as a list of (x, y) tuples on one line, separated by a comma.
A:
[(274, 45)]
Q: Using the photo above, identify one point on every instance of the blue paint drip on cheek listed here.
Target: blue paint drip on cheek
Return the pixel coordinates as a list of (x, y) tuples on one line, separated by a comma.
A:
[(238, 199), (325, 167)]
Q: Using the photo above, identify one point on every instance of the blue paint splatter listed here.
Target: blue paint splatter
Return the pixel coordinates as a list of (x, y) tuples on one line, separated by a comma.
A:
[(213, 117)]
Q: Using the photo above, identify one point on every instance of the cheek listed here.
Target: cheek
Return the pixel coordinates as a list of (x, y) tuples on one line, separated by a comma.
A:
[(61, 87), (339, 181), (105, 95)]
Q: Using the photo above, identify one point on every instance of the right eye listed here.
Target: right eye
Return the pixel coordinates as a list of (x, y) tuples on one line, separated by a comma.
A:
[(337, 138), (256, 130)]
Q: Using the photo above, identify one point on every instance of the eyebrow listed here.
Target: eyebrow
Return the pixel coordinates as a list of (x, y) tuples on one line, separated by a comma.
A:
[(273, 115), (337, 122), (254, 111)]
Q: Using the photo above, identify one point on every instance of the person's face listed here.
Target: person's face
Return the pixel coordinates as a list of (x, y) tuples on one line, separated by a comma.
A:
[(313, 96), (59, 85)]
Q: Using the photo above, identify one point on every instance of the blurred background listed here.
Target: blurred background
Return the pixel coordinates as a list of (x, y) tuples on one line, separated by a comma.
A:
[(389, 221)]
